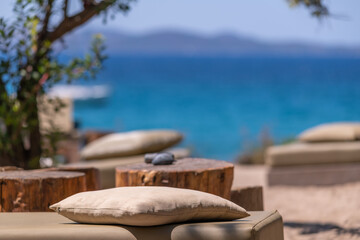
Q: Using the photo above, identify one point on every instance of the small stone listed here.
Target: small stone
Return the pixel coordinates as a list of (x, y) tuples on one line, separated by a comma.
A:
[(149, 157), (163, 159)]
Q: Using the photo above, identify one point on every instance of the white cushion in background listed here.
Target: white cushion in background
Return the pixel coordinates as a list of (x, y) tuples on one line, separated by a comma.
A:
[(332, 132), (302, 153), (130, 143)]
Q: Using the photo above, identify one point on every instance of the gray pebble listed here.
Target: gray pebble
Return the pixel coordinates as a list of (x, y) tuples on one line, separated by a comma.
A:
[(163, 159), (149, 157)]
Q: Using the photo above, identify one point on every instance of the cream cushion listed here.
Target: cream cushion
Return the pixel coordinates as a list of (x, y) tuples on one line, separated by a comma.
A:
[(130, 143), (302, 153), (146, 206), (332, 132)]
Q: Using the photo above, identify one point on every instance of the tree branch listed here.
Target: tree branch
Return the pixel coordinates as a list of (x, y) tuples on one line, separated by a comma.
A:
[(69, 23), (46, 20), (65, 8)]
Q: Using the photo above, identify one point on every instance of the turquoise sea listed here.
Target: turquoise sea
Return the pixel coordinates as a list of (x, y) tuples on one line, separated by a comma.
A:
[(223, 105)]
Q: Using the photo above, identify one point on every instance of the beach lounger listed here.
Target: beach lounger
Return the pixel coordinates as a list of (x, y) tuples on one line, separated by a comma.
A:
[(322, 163), (258, 226)]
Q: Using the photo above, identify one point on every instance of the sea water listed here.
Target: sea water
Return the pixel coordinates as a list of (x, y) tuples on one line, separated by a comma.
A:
[(223, 104)]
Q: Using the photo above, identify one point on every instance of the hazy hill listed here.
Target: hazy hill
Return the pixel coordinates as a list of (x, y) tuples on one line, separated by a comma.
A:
[(182, 43)]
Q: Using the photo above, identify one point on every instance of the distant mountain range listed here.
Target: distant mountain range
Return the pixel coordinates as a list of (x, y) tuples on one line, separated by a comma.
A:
[(179, 43)]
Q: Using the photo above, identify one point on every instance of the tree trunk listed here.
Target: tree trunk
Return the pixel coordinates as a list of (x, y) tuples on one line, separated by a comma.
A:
[(33, 154), (26, 150), (5, 160), (16, 156), (31, 138)]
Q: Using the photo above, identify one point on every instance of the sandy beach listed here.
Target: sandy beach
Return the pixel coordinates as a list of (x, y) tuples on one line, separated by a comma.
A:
[(309, 212)]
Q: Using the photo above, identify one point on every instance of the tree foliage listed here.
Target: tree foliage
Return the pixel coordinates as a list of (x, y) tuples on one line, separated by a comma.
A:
[(316, 7), (29, 67)]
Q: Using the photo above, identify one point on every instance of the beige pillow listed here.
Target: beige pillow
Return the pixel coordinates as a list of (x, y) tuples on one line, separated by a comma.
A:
[(146, 206), (332, 132), (130, 143)]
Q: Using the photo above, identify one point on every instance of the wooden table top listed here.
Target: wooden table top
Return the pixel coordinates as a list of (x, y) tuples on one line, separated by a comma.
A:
[(34, 174), (185, 164)]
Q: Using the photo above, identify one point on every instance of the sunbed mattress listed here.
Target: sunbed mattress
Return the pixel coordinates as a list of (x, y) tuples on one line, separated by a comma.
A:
[(258, 226), (313, 153)]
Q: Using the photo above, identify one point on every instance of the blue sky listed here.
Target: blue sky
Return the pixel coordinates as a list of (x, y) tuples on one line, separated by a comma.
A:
[(262, 19)]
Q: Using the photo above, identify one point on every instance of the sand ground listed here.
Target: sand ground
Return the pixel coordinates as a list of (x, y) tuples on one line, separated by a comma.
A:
[(309, 212)]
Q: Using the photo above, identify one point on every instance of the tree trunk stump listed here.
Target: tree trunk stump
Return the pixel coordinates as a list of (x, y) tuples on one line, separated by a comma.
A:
[(205, 175), (250, 198), (92, 175), (35, 191)]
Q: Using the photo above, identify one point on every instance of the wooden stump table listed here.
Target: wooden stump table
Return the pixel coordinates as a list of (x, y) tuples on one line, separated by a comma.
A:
[(250, 198), (205, 175), (92, 175), (35, 191)]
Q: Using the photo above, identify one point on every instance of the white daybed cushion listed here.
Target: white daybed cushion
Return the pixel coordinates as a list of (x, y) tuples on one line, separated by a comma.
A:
[(130, 143), (332, 132)]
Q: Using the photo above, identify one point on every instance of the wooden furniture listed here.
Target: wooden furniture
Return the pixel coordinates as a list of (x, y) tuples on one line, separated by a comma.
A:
[(321, 163), (35, 191), (250, 198), (52, 226), (315, 175), (92, 175), (206, 175)]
